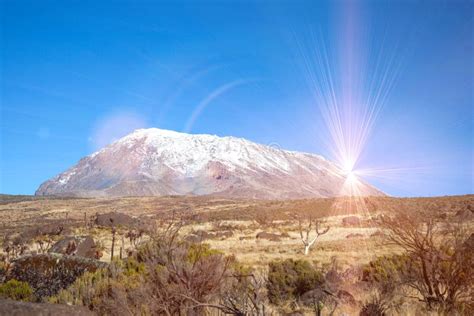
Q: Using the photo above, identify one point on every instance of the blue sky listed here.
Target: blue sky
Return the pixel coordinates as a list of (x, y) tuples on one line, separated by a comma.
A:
[(76, 75)]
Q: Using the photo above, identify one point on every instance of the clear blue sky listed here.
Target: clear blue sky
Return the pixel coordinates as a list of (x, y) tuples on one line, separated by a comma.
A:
[(75, 75)]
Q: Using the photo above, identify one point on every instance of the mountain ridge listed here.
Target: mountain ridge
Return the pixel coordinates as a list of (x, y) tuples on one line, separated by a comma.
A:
[(162, 162)]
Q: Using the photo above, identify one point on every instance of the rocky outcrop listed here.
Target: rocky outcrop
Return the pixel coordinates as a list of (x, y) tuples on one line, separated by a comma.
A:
[(270, 236), (112, 219), (81, 246), (351, 221)]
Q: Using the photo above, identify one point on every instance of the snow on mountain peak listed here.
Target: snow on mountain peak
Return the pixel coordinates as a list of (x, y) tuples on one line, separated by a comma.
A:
[(189, 153), (158, 162)]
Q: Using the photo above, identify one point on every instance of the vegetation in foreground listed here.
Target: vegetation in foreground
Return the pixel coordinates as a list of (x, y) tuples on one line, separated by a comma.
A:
[(169, 269)]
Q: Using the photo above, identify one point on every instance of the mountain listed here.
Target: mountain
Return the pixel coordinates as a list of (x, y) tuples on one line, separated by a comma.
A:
[(161, 162)]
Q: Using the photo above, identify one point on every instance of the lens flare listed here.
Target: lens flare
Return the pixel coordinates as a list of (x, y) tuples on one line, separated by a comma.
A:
[(349, 92)]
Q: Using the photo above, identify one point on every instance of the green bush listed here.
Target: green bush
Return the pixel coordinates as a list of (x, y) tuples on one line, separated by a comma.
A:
[(386, 269), (162, 278), (16, 290), (289, 279), (92, 287), (197, 252)]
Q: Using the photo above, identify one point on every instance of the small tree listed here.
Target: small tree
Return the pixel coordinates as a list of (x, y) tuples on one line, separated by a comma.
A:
[(306, 228), (440, 268)]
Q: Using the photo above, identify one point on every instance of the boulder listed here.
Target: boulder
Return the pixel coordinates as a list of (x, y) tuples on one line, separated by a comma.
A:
[(114, 219), (268, 236), (354, 235), (81, 246), (351, 221), (51, 229)]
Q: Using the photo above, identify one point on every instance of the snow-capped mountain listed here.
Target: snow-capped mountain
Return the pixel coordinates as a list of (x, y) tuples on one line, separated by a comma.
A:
[(160, 162)]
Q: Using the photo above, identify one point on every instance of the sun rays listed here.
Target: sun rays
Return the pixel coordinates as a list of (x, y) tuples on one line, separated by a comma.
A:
[(350, 83)]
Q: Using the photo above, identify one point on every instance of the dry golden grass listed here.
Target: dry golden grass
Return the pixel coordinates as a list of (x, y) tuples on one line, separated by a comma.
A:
[(21, 213), (244, 218)]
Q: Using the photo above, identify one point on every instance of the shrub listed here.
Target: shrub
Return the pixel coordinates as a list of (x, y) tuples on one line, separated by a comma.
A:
[(290, 279), (440, 268), (16, 290), (47, 274), (165, 277), (200, 251), (91, 289), (375, 307), (386, 269)]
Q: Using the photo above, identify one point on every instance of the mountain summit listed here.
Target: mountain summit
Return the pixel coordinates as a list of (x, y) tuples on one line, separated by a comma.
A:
[(161, 162)]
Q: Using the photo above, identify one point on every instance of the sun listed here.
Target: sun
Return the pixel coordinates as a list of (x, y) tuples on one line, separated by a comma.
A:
[(351, 184), (348, 166), (351, 177)]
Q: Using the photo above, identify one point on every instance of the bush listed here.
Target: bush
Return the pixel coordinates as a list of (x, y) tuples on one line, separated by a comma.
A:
[(386, 269), (164, 277), (47, 274), (375, 307), (440, 267), (16, 290), (290, 279), (200, 251), (92, 287)]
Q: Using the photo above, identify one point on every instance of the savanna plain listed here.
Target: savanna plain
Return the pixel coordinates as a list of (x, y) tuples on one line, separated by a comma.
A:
[(209, 255)]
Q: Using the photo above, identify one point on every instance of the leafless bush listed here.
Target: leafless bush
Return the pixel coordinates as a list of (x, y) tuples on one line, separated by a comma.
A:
[(135, 236), (374, 307), (245, 294), (264, 218), (13, 247), (440, 260), (180, 278)]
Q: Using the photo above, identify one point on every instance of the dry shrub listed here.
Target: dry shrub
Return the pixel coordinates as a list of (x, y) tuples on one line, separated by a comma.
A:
[(166, 277), (49, 273), (439, 264), (264, 218), (244, 293), (374, 307)]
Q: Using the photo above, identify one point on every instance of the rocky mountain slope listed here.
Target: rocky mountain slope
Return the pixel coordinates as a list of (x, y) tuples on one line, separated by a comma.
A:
[(160, 162)]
